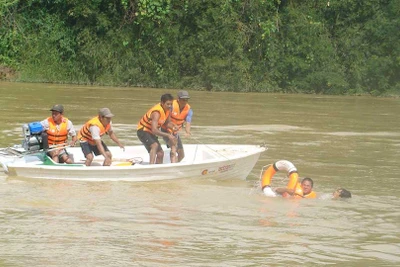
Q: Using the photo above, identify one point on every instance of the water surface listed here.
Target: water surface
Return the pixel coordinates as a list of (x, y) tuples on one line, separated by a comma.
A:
[(352, 142)]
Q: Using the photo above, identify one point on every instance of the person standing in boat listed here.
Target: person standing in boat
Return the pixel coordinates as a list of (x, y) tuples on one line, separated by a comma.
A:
[(181, 113), (148, 130), (90, 137), (57, 128)]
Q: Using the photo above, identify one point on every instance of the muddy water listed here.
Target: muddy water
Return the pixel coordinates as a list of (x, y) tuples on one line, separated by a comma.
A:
[(352, 142)]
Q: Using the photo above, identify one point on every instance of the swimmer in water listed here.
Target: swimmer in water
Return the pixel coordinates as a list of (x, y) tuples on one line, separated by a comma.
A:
[(341, 193), (303, 190)]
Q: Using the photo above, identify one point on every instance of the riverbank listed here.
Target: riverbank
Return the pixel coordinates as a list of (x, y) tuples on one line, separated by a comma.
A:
[(11, 76), (257, 46)]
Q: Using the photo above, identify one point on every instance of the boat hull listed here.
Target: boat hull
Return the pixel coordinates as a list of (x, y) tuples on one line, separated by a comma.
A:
[(211, 161)]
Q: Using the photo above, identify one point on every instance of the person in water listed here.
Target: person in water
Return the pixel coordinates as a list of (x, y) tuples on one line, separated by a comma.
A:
[(304, 190), (341, 193)]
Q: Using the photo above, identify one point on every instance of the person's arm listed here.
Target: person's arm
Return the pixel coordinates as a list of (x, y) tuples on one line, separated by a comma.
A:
[(72, 133), (45, 124), (115, 138), (107, 159), (155, 117), (171, 126), (282, 190), (188, 123), (74, 140), (187, 129)]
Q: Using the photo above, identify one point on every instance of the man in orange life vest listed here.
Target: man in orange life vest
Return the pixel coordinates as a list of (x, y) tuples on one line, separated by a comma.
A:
[(58, 128), (90, 137), (304, 190), (181, 114), (148, 129)]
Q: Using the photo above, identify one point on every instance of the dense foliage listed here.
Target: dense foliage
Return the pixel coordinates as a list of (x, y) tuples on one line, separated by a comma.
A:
[(311, 46)]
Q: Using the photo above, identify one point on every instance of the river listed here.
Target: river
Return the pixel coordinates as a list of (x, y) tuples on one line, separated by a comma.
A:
[(348, 141)]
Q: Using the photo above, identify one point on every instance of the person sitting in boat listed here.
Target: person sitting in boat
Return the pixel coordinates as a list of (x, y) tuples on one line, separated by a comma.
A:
[(302, 190), (148, 130), (57, 128), (181, 114), (90, 137), (341, 193)]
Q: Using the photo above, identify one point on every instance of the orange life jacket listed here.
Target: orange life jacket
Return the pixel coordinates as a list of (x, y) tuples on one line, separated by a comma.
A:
[(284, 165), (177, 116), (85, 134), (57, 136), (299, 193), (145, 121)]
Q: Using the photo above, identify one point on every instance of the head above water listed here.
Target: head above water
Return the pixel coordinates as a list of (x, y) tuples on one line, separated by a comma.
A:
[(307, 185), (309, 180), (341, 193)]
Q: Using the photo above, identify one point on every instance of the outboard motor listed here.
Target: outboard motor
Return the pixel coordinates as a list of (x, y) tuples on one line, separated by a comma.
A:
[(35, 138)]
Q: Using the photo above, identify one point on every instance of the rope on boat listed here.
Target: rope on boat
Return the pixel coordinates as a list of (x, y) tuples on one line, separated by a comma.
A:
[(216, 151)]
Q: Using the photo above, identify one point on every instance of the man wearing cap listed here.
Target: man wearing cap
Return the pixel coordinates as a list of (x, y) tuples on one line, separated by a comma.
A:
[(57, 128), (181, 114), (149, 128), (90, 137)]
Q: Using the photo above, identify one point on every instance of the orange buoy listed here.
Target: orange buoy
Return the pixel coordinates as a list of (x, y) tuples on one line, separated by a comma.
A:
[(281, 165)]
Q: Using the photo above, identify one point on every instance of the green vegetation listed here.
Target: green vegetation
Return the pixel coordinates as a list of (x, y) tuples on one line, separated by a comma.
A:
[(308, 46)]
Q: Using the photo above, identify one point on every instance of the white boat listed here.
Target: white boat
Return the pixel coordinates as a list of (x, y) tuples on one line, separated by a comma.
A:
[(212, 161)]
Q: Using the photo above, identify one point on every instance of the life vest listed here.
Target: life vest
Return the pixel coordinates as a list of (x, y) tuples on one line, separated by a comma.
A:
[(299, 193), (57, 135), (145, 122), (177, 116), (85, 134), (285, 165), (281, 165)]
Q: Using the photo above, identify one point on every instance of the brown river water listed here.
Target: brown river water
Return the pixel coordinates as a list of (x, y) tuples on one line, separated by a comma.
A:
[(353, 142)]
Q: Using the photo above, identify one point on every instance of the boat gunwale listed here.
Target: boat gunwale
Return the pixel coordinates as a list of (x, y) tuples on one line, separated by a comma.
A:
[(39, 165)]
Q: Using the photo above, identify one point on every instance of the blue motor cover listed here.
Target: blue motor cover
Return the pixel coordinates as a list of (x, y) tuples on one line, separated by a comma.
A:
[(35, 127)]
